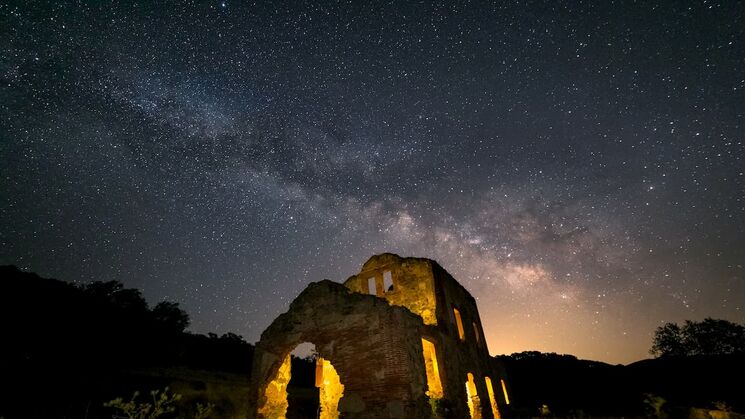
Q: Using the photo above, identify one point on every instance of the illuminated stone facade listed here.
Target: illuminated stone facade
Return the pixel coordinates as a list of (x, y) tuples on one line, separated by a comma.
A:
[(401, 339)]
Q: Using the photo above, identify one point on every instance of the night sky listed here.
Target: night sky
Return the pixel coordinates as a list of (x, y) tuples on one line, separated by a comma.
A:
[(578, 167)]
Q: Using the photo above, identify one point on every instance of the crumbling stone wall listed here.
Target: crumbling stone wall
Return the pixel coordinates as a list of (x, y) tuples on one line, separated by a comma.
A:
[(470, 355), (375, 348), (374, 340), (413, 283), (427, 289)]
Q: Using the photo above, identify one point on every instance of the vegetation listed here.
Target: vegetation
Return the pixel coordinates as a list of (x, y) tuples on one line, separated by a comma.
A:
[(571, 387), (655, 405), (104, 324), (89, 343), (708, 337), (163, 403)]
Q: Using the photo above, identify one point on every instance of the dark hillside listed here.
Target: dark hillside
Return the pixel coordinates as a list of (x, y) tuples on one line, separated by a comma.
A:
[(699, 381), (67, 348), (567, 386)]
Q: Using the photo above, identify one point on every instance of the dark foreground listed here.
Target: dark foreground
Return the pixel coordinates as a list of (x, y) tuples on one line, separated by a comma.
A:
[(66, 350)]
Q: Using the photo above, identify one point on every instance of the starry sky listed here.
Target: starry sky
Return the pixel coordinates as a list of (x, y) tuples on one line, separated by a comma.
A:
[(577, 166)]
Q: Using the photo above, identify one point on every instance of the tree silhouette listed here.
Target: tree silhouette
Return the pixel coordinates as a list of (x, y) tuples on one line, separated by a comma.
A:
[(114, 293), (90, 342), (708, 337), (714, 337), (170, 317), (668, 341)]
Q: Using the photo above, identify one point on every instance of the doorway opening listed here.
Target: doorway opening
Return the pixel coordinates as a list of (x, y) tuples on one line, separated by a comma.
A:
[(306, 386)]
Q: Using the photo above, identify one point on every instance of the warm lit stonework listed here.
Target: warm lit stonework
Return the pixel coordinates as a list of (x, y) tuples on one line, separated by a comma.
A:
[(434, 385), (472, 398), (330, 389), (275, 403), (492, 397), (504, 390), (391, 343)]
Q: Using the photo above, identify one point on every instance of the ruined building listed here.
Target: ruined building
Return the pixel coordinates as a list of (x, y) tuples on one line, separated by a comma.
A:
[(401, 339)]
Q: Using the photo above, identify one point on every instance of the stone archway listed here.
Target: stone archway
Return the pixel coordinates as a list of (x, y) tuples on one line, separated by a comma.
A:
[(276, 400), (374, 347)]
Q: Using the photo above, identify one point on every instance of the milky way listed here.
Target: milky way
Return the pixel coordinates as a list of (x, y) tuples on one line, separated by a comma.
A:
[(578, 167)]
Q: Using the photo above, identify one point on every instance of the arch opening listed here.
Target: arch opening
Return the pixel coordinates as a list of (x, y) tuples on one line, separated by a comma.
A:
[(305, 386)]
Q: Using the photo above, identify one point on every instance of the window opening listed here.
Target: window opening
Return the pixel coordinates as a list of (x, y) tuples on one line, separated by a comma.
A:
[(371, 286), (434, 385), (472, 398), (504, 390), (459, 324), (387, 281), (492, 399)]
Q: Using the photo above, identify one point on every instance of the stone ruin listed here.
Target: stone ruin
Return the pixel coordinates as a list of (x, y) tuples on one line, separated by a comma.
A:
[(401, 339)]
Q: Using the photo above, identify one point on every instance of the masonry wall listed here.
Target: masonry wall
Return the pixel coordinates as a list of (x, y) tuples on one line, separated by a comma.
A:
[(423, 286), (413, 283), (463, 356), (375, 348), (374, 340)]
